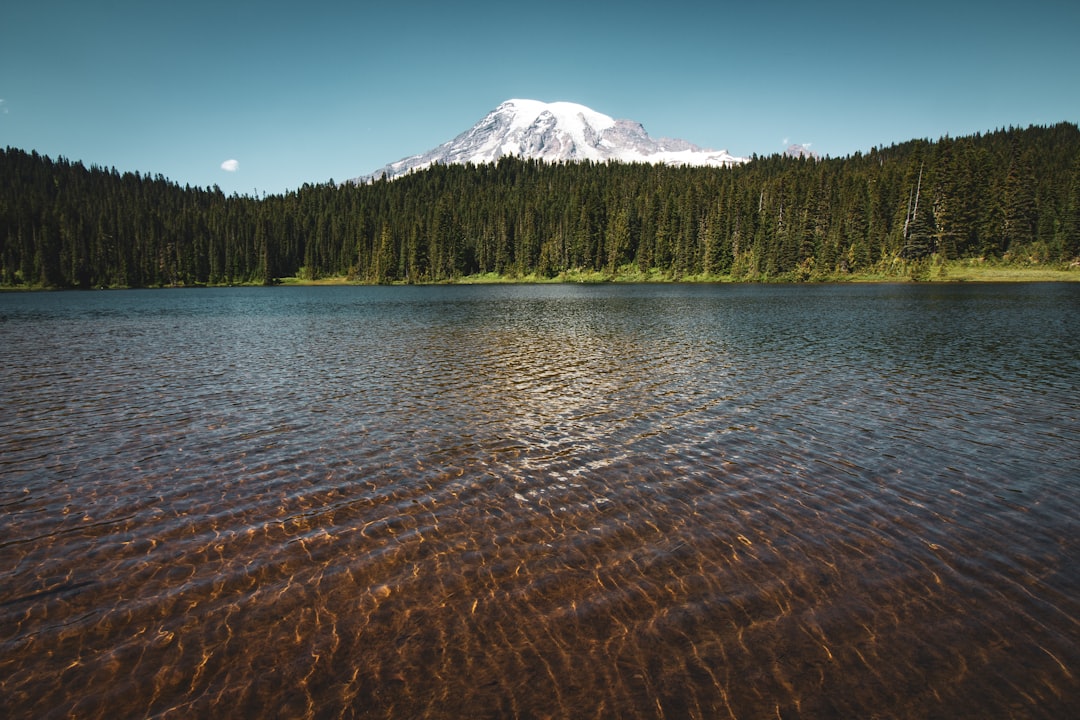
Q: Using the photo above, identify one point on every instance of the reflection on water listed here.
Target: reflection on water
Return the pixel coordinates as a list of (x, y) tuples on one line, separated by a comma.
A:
[(632, 502)]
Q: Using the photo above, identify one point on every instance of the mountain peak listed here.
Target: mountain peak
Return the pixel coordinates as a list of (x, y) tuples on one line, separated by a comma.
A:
[(801, 151), (556, 132)]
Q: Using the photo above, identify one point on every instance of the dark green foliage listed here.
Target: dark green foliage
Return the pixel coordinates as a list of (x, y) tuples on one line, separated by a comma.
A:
[(1070, 224), (1012, 193)]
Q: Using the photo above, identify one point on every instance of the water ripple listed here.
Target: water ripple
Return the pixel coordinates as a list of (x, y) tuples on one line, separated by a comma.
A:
[(629, 502)]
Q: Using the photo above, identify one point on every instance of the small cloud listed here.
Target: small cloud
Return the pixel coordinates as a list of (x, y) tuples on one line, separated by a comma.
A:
[(3, 107), (230, 165), (785, 142)]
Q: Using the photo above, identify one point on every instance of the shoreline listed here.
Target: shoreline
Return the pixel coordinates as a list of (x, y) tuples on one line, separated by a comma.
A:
[(960, 271), (957, 271)]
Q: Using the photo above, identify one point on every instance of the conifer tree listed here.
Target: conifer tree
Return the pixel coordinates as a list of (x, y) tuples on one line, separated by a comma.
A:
[(1020, 213), (1012, 191), (1070, 226)]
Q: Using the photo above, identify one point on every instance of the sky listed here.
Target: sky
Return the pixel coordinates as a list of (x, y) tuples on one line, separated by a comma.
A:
[(263, 97)]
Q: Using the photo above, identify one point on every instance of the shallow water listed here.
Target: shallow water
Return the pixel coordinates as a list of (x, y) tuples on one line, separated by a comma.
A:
[(541, 501)]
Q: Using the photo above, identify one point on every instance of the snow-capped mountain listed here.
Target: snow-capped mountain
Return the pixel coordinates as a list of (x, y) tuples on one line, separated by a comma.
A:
[(558, 131), (800, 151)]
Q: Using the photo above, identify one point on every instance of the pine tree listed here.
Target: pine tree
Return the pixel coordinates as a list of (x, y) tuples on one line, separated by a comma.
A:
[(1020, 210), (1070, 225)]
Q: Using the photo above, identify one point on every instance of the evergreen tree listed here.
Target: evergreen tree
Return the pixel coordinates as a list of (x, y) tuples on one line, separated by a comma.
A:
[(1012, 191), (1020, 212), (1070, 225)]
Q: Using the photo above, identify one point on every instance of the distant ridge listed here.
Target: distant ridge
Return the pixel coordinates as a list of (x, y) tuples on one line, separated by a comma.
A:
[(554, 132)]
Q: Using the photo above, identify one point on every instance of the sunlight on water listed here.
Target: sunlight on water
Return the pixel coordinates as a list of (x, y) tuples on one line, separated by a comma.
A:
[(632, 502)]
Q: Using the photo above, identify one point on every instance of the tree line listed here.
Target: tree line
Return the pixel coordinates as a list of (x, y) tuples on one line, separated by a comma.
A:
[(1012, 194)]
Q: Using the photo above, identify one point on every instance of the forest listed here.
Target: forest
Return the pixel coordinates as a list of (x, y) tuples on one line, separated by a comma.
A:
[(1010, 195)]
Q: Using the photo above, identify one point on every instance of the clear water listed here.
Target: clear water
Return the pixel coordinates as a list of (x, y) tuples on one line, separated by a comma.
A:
[(541, 501)]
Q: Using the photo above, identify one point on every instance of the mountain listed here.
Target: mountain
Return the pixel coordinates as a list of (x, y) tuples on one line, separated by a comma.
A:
[(800, 151), (558, 131)]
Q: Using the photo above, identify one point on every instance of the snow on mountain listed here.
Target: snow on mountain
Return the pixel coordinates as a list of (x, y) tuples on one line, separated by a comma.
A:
[(800, 151), (553, 132)]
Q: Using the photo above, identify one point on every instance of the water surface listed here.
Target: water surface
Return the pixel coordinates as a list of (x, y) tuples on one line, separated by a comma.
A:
[(541, 501)]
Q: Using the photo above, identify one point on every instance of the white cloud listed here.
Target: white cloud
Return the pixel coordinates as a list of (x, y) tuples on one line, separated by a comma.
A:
[(230, 165), (3, 107)]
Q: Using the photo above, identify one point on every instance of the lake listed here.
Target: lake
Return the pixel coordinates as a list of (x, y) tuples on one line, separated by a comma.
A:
[(568, 501)]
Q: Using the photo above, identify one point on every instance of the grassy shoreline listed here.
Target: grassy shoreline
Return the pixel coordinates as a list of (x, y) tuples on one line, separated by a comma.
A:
[(956, 271), (960, 271)]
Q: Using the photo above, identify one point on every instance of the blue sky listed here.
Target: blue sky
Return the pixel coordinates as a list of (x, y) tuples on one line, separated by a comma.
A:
[(299, 92)]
